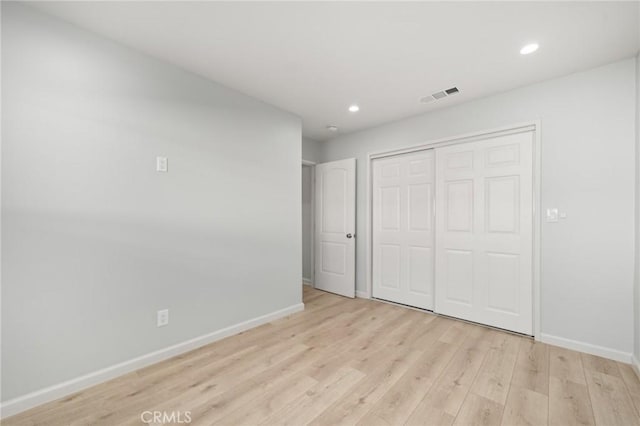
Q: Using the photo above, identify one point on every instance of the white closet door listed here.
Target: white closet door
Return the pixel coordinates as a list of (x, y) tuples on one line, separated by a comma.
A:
[(484, 227), (403, 253)]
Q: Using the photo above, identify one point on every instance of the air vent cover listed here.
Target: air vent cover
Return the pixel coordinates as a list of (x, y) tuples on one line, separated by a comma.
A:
[(440, 95)]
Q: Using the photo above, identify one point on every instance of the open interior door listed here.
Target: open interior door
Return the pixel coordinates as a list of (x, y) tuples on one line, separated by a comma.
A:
[(335, 244)]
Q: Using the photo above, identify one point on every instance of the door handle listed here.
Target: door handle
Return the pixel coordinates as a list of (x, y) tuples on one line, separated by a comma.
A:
[(349, 235)]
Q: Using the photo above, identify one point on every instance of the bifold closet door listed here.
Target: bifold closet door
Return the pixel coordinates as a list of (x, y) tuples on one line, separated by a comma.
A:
[(403, 253), (484, 231)]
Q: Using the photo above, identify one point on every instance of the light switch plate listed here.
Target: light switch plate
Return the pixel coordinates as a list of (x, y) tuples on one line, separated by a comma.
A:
[(162, 317), (162, 164), (552, 215)]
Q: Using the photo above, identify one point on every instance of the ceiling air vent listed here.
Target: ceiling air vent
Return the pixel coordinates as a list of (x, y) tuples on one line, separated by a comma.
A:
[(439, 95)]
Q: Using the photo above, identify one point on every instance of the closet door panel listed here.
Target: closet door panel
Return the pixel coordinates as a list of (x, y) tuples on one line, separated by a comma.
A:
[(403, 229), (484, 231)]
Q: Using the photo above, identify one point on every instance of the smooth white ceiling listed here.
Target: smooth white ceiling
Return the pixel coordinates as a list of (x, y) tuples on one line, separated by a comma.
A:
[(315, 59)]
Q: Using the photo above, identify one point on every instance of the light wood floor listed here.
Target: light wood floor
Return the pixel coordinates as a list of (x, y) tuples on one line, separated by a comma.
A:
[(344, 361)]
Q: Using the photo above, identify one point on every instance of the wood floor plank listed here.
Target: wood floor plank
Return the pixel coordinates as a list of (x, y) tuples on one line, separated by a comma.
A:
[(610, 401), (362, 398), (479, 411), (448, 393), (495, 376), (304, 409), (532, 367), (601, 365), (632, 382), (525, 407), (569, 403), (402, 398), (566, 364), (269, 402), (354, 361), (430, 416)]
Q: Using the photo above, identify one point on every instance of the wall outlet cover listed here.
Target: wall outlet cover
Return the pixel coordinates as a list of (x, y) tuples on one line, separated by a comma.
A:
[(162, 317)]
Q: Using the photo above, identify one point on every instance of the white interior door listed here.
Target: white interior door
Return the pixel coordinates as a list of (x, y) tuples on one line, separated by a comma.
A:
[(335, 245), (403, 232), (484, 226)]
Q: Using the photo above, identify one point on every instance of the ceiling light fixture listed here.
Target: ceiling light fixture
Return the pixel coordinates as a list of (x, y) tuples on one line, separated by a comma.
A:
[(529, 48), (354, 108), (332, 128)]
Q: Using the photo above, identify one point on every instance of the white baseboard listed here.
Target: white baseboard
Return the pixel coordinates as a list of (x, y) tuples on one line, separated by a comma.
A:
[(306, 281), (362, 294), (635, 363), (51, 393), (575, 345)]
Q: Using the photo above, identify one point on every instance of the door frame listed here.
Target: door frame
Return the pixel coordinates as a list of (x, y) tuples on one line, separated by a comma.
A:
[(312, 166), (529, 126)]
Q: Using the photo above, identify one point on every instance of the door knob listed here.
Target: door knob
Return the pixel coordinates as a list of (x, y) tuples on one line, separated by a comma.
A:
[(349, 235)]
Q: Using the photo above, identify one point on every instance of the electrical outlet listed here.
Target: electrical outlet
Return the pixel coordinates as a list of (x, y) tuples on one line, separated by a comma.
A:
[(163, 317)]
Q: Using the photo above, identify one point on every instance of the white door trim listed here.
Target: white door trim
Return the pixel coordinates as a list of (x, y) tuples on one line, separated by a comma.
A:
[(312, 166), (531, 126)]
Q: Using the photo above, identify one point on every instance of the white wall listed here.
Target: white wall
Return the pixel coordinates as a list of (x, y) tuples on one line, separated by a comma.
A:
[(311, 150), (95, 241), (307, 223), (588, 139)]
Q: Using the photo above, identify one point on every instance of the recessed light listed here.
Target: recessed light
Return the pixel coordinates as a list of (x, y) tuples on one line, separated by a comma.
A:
[(354, 108), (529, 48), (332, 128)]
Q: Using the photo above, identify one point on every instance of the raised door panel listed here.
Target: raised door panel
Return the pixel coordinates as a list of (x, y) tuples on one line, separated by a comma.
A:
[(334, 258), (459, 205), (420, 206), (390, 266), (458, 276), (502, 204), (390, 208), (420, 265), (334, 193), (503, 282)]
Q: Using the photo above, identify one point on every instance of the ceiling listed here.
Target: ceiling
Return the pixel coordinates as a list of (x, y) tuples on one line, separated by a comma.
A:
[(316, 58)]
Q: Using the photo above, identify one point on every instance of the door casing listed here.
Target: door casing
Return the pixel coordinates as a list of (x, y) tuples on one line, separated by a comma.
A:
[(312, 219)]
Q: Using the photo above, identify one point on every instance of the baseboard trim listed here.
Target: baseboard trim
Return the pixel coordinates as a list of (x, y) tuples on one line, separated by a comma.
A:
[(362, 294), (306, 281), (635, 363), (575, 345), (51, 393)]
